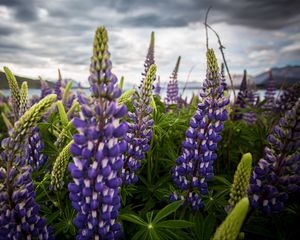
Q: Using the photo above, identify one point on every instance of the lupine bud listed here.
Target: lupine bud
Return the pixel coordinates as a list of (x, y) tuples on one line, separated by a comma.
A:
[(277, 174), (19, 211), (172, 88), (231, 226), (23, 99), (241, 181), (97, 150), (14, 91), (59, 167), (195, 166), (140, 129)]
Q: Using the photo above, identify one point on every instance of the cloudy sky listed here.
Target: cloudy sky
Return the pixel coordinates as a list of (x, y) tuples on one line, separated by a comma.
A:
[(37, 37)]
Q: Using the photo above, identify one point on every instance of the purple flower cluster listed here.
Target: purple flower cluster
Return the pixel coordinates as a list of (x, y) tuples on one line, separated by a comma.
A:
[(288, 98), (172, 87), (58, 86), (278, 173), (97, 150), (35, 147), (250, 99), (270, 93), (195, 166), (149, 57), (45, 89), (157, 87), (19, 213), (240, 100), (140, 129), (22, 220)]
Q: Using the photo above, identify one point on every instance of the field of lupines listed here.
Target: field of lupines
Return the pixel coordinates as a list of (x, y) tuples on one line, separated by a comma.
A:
[(117, 164)]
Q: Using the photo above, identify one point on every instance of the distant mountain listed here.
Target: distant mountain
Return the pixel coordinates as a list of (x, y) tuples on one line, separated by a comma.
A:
[(32, 83), (285, 76)]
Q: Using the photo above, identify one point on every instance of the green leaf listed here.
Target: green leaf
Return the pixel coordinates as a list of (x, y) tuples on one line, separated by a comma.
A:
[(62, 114), (140, 234), (175, 224), (121, 83), (152, 104), (66, 92), (133, 218), (167, 210)]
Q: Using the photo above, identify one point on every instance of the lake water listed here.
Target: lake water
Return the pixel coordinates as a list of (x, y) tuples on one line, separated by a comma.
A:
[(187, 93)]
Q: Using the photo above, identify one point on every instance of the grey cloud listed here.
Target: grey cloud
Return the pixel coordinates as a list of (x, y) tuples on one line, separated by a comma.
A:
[(23, 10)]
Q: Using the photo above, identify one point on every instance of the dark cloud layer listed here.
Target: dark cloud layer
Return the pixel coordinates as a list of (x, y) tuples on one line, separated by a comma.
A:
[(262, 14), (52, 32)]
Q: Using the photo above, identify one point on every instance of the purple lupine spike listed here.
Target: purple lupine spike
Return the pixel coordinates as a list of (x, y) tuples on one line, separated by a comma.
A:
[(172, 87), (45, 89), (250, 99), (278, 173), (149, 57), (35, 147), (140, 129), (270, 93), (157, 88), (58, 86), (97, 150), (240, 100), (288, 98), (19, 212), (195, 166)]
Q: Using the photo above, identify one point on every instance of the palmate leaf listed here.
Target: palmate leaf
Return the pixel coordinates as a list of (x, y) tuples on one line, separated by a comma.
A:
[(133, 218), (167, 210), (155, 229), (175, 224)]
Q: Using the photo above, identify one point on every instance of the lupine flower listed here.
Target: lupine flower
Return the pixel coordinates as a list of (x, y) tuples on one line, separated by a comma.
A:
[(277, 174), (58, 86), (14, 92), (140, 129), (23, 99), (270, 93), (97, 150), (240, 100), (250, 116), (35, 147), (59, 167), (45, 89), (19, 217), (157, 87), (231, 226), (288, 98), (172, 87), (149, 57), (241, 181), (195, 166)]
